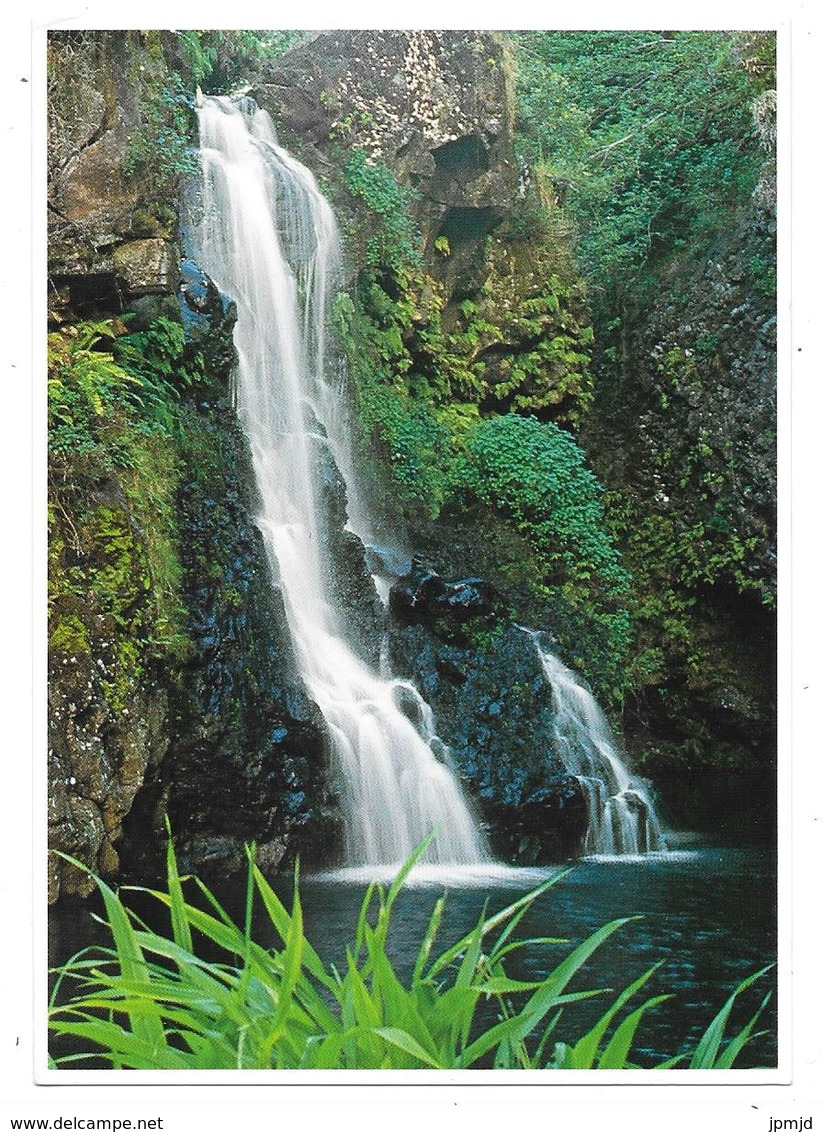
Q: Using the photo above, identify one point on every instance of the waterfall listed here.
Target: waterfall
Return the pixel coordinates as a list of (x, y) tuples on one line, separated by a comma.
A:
[(621, 815), (269, 240)]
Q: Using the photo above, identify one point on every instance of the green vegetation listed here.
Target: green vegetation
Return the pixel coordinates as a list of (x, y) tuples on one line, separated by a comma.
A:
[(648, 135), (169, 67), (221, 61), (524, 352), (114, 565), (654, 144), (84, 384), (428, 373), (151, 1001), (161, 149), (392, 246), (534, 474)]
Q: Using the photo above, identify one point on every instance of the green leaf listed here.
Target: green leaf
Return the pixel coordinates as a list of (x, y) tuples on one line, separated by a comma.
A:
[(615, 1055), (179, 920), (706, 1053), (586, 1048), (408, 1044)]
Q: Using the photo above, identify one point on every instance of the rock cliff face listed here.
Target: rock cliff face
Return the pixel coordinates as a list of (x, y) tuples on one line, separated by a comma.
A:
[(172, 687), (207, 721), (111, 232), (245, 757), (689, 434), (435, 107)]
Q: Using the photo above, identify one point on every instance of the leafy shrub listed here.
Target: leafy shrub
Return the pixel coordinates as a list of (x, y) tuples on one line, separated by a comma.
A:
[(84, 383), (112, 412), (96, 371), (650, 133), (535, 474), (166, 366), (151, 1001)]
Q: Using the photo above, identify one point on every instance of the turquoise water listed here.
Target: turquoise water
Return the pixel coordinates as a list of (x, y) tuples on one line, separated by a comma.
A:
[(708, 914)]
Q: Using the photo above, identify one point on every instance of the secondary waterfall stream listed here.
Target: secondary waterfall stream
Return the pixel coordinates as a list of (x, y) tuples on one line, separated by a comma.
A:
[(269, 240), (621, 814)]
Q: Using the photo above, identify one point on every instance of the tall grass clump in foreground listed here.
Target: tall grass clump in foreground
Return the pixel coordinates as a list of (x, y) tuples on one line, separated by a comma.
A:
[(150, 1002)]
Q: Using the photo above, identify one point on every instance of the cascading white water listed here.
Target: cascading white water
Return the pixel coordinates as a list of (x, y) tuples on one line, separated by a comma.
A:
[(269, 240), (621, 815)]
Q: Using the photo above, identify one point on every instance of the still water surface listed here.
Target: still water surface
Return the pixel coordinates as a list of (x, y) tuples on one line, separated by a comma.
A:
[(709, 914)]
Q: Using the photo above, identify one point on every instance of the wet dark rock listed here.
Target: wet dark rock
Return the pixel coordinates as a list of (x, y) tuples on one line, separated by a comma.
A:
[(145, 309), (548, 825), (217, 857), (355, 596), (349, 581), (200, 303), (454, 611), (494, 710), (246, 759)]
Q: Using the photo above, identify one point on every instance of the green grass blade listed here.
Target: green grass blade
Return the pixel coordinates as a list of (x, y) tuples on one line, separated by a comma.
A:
[(146, 1024), (363, 919), (546, 998), (404, 1041), (732, 1051), (537, 1060), (468, 966), (281, 921), (491, 1038), (400, 879), (586, 1048), (616, 1053), (706, 1052), (501, 945), (292, 966), (502, 984), (222, 932), (424, 951), (387, 903), (499, 953), (209, 896), (128, 1047), (361, 1007), (179, 921), (493, 922)]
